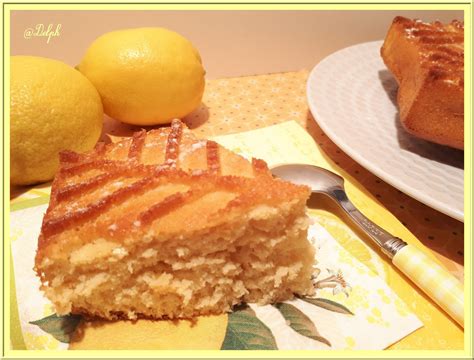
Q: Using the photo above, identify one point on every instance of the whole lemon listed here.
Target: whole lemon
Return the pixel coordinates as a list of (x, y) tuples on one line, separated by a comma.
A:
[(53, 107), (145, 76)]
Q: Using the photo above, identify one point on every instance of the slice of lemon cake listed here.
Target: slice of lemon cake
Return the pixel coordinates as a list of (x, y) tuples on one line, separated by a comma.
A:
[(163, 225), (427, 60)]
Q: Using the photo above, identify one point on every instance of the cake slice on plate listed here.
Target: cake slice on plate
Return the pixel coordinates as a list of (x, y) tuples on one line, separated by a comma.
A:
[(427, 60), (163, 225)]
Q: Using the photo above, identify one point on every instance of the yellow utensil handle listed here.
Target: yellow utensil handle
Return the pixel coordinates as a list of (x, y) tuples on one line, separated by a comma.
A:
[(436, 282)]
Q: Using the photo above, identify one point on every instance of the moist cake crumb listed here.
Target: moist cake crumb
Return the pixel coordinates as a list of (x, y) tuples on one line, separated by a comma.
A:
[(197, 238)]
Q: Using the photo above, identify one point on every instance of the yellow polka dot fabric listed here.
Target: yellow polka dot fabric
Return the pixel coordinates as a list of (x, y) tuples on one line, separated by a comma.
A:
[(247, 103)]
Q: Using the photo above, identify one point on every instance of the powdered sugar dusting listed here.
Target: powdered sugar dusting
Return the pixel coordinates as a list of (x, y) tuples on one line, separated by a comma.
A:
[(198, 145)]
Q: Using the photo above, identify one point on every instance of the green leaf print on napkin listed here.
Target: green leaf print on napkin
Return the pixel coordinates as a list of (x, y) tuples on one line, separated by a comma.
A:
[(328, 305), (246, 332), (299, 322), (60, 327)]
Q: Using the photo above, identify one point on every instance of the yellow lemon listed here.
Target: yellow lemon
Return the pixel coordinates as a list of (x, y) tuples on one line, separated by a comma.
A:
[(53, 107), (145, 76)]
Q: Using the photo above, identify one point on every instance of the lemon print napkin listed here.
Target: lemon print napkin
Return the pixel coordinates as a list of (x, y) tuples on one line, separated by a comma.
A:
[(360, 302)]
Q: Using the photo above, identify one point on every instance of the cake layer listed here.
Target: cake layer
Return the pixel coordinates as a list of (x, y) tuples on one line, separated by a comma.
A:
[(165, 225), (257, 258)]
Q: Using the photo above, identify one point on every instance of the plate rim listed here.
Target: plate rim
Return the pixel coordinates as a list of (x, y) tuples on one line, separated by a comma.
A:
[(388, 178)]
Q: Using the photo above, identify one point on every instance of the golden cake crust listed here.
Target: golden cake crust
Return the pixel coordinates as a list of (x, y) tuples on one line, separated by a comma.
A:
[(147, 185), (427, 60)]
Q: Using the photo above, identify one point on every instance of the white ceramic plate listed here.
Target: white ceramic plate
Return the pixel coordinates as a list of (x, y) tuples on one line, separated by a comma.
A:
[(352, 96)]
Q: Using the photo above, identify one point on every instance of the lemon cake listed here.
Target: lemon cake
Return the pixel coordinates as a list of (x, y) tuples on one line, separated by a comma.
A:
[(164, 225), (427, 60)]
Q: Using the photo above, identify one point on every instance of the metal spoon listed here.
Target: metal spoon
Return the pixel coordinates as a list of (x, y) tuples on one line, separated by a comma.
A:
[(436, 282)]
